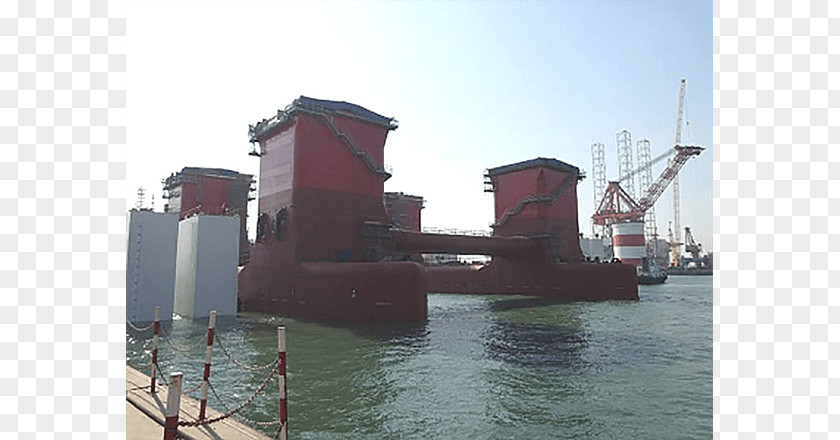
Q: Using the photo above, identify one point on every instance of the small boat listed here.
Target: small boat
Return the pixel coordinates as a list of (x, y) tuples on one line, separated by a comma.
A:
[(651, 273), (648, 278)]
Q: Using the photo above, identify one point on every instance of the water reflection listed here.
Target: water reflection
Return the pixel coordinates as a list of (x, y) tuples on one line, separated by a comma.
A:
[(539, 346), (412, 334), (524, 302)]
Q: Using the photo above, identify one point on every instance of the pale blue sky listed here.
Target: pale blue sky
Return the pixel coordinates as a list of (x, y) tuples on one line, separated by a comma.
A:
[(474, 85)]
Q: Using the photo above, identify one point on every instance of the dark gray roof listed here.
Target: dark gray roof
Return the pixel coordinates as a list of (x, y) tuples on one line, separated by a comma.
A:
[(268, 126), (538, 162), (342, 106), (211, 171), (176, 179)]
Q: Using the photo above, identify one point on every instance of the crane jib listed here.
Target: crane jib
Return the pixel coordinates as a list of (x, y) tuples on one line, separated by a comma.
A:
[(608, 208)]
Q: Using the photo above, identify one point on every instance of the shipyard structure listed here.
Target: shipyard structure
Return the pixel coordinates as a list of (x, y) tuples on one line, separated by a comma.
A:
[(330, 244)]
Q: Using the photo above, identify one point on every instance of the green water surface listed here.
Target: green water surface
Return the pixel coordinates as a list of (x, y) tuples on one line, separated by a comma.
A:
[(481, 367)]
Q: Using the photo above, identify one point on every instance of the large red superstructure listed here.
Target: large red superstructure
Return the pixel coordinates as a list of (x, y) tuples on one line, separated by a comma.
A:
[(326, 246), (321, 225)]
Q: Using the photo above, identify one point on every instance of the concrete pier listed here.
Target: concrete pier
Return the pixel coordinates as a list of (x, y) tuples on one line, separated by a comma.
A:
[(144, 414)]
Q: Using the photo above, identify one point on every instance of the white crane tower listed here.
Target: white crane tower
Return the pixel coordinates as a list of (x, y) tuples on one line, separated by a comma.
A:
[(599, 179), (675, 242)]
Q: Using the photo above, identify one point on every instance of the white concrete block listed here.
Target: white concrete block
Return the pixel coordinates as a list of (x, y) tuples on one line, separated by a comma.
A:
[(150, 265), (206, 268)]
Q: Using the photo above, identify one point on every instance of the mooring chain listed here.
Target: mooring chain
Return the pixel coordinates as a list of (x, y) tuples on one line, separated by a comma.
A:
[(188, 349), (137, 328), (241, 365), (240, 417), (213, 389), (235, 410)]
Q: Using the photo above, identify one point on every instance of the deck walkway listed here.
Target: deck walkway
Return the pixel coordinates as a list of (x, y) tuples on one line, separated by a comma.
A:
[(144, 414)]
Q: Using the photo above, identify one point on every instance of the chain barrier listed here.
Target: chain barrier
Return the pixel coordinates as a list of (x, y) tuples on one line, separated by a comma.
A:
[(161, 378), (241, 417), (137, 328), (235, 410), (188, 349), (241, 365)]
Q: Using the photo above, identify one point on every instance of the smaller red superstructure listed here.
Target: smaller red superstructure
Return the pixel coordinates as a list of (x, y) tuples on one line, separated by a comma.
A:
[(538, 199), (213, 191), (403, 210), (534, 246)]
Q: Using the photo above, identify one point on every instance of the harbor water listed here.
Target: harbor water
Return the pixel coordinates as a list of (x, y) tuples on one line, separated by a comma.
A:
[(481, 367)]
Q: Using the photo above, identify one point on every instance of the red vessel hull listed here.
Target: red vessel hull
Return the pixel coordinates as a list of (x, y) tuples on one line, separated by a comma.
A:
[(328, 291), (574, 281)]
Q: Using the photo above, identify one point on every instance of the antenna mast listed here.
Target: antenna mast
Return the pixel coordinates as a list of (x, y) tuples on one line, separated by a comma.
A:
[(141, 198)]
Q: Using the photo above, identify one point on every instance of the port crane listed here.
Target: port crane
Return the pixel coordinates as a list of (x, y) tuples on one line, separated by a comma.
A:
[(618, 206), (691, 246)]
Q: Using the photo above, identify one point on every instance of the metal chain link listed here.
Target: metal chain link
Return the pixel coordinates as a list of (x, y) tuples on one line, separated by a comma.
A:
[(241, 365), (161, 377), (241, 417), (188, 349), (235, 410), (213, 389), (137, 328), (230, 412)]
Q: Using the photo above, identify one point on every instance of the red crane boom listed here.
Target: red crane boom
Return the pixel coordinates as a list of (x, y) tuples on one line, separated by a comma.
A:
[(617, 205)]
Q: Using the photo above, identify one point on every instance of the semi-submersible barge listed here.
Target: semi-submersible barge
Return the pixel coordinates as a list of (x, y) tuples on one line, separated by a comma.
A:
[(327, 250)]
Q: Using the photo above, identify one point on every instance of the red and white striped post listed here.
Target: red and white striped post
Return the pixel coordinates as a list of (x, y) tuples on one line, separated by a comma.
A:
[(154, 346), (207, 355), (281, 347), (173, 406)]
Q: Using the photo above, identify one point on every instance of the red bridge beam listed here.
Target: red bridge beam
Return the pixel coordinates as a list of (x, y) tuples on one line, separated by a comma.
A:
[(520, 247)]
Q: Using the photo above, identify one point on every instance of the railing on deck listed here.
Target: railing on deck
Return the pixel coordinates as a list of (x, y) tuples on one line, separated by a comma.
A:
[(176, 380)]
